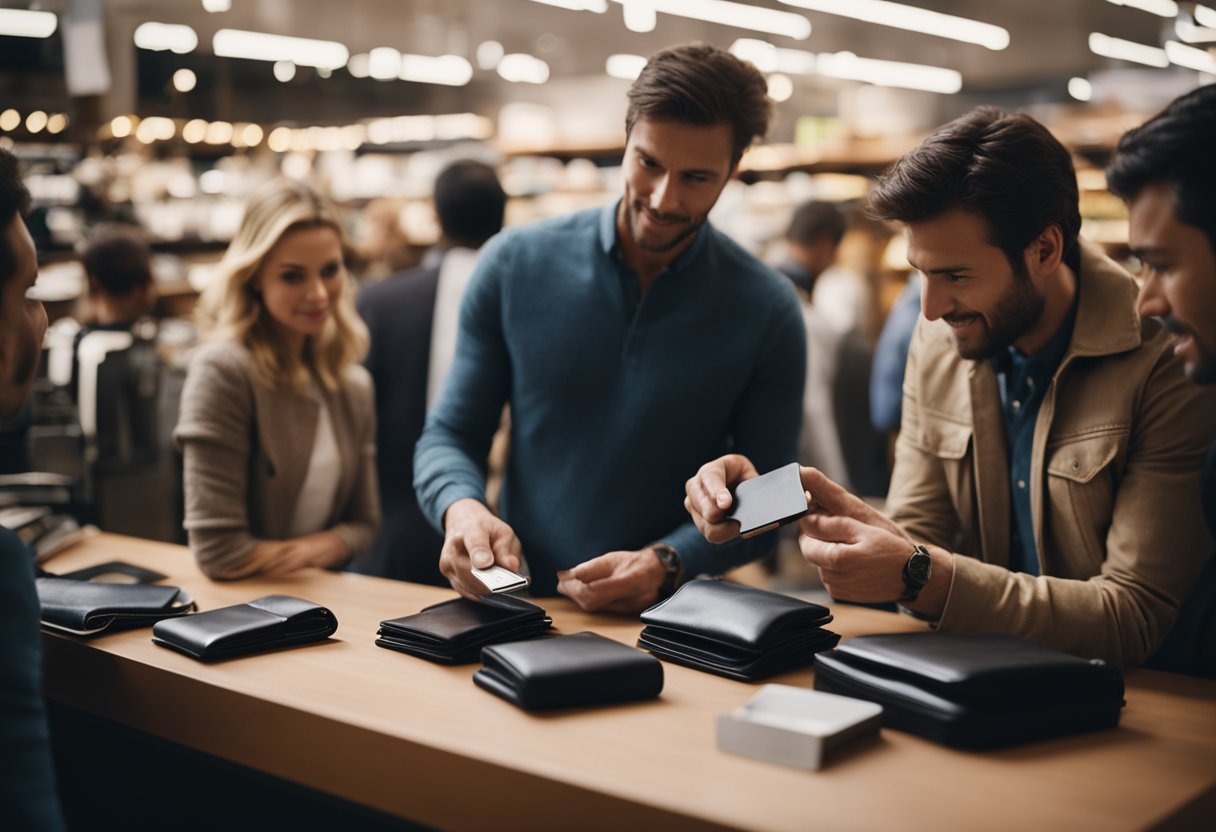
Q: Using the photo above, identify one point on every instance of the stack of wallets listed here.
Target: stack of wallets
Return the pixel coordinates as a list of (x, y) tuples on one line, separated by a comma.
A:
[(266, 623), (453, 632), (736, 631), (573, 671), (974, 691), (85, 608), (796, 727)]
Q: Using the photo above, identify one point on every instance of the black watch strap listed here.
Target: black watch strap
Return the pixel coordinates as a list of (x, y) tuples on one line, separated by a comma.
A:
[(917, 571), (672, 564)]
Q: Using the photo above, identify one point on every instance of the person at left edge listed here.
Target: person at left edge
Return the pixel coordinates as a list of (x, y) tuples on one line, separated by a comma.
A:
[(277, 425), (630, 341), (28, 798)]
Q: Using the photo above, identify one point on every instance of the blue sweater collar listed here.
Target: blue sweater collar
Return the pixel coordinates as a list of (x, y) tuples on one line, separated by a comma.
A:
[(608, 238)]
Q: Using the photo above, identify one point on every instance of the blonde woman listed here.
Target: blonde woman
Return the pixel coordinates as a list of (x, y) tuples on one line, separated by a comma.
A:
[(277, 425)]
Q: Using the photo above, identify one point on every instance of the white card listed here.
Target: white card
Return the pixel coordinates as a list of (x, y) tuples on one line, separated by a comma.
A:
[(500, 579)]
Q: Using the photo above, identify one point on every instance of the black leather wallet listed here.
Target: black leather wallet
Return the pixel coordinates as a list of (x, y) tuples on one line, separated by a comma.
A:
[(453, 632), (263, 624), (84, 608), (736, 631), (569, 672), (974, 691)]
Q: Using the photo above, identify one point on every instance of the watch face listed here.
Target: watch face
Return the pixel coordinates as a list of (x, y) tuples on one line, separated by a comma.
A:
[(917, 570)]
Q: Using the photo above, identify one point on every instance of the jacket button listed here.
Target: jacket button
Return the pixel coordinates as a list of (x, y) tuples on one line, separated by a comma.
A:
[(1076, 464)]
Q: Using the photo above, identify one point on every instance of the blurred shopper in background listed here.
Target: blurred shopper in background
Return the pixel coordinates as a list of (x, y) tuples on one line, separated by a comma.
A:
[(1166, 171), (412, 318), (277, 425)]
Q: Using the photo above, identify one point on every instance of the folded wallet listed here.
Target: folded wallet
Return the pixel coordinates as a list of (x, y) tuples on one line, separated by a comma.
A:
[(263, 624), (736, 631), (974, 691), (84, 608), (453, 632), (569, 672)]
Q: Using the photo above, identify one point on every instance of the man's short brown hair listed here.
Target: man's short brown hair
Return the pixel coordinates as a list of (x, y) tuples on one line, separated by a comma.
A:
[(1004, 167), (702, 85)]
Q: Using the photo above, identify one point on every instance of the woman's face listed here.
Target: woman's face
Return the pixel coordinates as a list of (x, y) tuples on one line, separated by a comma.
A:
[(301, 280)]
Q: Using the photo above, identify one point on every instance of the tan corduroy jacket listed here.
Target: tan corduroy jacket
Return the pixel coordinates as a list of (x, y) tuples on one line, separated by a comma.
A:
[(246, 450), (1115, 465)]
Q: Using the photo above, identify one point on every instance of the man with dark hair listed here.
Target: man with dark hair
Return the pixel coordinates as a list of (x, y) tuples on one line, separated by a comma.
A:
[(1166, 172), (412, 318), (117, 265), (1048, 433), (631, 342), (27, 778)]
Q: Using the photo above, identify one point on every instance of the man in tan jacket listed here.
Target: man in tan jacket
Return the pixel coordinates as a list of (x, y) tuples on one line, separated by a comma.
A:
[(1050, 440)]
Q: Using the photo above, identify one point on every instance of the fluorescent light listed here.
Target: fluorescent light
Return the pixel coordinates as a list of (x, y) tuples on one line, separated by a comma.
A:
[(726, 13), (383, 63), (1164, 8), (913, 19), (1080, 89), (1190, 33), (848, 66), (449, 70), (259, 46), (121, 126), (769, 58), (184, 80), (523, 69), (21, 23), (1205, 16), (597, 6), (489, 54), (161, 37), (1190, 57), (1126, 50), (625, 67), (194, 131), (780, 87), (639, 15), (216, 6)]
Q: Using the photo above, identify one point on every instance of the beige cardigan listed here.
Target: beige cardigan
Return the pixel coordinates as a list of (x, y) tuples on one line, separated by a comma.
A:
[(246, 450), (1115, 469)]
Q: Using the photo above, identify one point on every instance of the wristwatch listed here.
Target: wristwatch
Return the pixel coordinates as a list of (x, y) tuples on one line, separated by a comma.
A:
[(916, 573), (673, 566)]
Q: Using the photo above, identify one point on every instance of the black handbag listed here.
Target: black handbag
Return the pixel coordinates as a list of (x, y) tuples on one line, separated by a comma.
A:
[(569, 672), (84, 608), (266, 623), (736, 631), (974, 691), (453, 632)]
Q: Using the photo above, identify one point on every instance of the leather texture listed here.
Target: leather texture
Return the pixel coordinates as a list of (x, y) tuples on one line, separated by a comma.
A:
[(453, 632), (85, 608), (974, 691), (266, 623), (736, 631), (571, 671)]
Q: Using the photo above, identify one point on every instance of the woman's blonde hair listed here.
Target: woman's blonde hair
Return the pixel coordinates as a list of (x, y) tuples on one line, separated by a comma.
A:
[(230, 307)]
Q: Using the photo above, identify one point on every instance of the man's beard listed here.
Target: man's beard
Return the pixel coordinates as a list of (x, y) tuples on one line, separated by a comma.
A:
[(633, 217), (1014, 314), (1203, 369)]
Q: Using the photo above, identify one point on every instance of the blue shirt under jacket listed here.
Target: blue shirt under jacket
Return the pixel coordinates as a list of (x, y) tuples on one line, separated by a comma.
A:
[(616, 398)]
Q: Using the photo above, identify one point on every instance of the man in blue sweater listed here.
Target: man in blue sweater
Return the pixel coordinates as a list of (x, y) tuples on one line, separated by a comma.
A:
[(632, 343), (27, 780)]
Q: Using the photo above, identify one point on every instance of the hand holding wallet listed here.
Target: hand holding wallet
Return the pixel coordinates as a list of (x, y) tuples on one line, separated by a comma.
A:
[(453, 632), (263, 624), (736, 631), (974, 691), (85, 608), (569, 672)]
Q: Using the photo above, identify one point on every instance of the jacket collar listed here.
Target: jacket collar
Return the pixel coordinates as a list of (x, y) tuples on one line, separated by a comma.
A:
[(1107, 321)]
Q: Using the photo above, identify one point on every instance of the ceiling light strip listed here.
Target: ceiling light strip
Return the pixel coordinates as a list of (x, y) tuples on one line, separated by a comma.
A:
[(912, 19), (1126, 50), (726, 13)]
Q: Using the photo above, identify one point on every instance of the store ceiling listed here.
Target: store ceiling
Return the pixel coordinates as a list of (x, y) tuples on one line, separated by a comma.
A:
[(1048, 38)]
